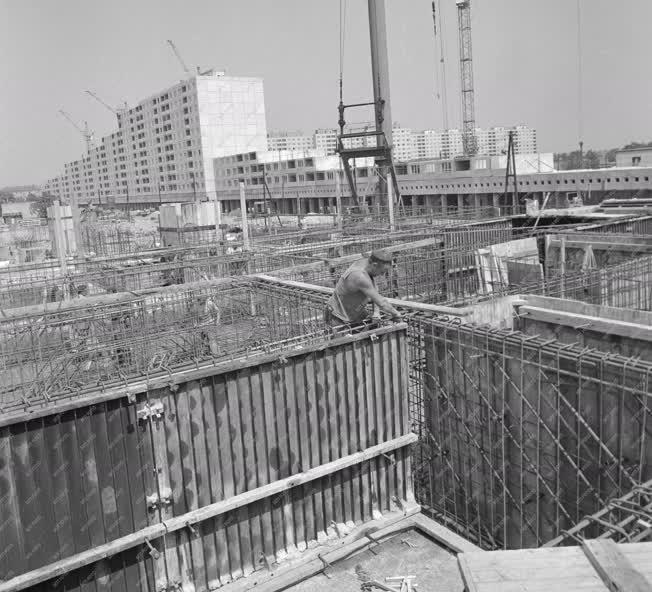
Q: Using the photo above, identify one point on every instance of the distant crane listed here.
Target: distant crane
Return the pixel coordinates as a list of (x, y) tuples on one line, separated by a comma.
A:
[(116, 112), (469, 140), (88, 134), (178, 55), (187, 70)]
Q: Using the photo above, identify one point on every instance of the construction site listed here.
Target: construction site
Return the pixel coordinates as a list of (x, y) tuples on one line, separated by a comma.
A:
[(176, 414)]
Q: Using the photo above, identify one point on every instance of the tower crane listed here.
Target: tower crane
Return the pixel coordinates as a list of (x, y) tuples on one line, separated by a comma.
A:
[(208, 72), (117, 112), (469, 140), (87, 133), (178, 55)]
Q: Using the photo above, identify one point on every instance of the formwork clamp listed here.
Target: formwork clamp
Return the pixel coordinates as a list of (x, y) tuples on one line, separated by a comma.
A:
[(155, 501), (151, 411), (153, 551), (327, 565)]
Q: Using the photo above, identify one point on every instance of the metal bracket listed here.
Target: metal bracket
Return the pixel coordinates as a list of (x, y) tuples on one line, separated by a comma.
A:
[(390, 458), (326, 566), (155, 502), (150, 411), (153, 551)]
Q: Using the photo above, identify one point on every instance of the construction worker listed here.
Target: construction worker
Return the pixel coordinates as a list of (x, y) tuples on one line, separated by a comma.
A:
[(356, 289)]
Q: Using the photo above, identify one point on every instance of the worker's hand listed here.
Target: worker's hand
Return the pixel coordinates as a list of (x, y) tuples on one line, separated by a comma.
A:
[(397, 317)]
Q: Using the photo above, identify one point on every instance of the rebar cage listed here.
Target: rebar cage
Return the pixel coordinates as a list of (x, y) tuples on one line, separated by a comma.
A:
[(521, 438), (64, 349)]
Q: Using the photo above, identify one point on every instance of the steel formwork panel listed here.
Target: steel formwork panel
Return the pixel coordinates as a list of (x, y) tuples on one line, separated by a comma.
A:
[(146, 475)]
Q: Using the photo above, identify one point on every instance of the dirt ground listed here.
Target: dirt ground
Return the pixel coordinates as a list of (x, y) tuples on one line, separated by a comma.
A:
[(408, 553)]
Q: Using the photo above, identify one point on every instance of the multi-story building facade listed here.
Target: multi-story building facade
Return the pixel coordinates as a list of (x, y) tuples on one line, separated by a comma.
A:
[(326, 140), (164, 147), (289, 140)]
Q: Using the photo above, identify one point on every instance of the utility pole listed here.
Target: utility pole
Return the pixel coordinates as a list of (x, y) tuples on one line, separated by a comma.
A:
[(510, 173), (469, 141)]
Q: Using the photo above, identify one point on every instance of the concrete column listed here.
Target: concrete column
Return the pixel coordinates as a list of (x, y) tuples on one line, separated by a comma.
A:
[(243, 210), (444, 204)]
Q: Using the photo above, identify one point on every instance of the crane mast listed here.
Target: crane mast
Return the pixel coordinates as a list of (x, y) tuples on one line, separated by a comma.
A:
[(469, 140), (87, 133)]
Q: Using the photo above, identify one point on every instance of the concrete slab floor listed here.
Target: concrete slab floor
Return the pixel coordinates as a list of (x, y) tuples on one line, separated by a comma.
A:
[(435, 568)]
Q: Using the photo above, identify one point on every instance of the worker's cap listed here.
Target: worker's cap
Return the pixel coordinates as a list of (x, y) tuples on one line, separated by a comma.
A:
[(381, 256)]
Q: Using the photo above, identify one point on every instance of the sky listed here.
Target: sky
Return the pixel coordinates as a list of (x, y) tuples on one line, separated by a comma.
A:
[(525, 55)]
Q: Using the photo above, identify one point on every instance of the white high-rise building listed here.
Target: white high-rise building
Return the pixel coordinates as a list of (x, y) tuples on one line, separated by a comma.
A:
[(403, 144), (326, 140), (289, 140), (165, 145)]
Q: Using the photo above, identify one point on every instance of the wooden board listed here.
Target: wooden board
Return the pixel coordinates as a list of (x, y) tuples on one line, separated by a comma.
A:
[(616, 571)]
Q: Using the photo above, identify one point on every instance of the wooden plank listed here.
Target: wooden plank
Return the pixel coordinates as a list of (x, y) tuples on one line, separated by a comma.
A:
[(211, 489), (378, 466), (293, 509), (335, 386), (443, 535), (122, 494), (323, 435), (220, 472), (354, 397), (240, 430), (305, 524), (613, 567), (600, 325), (266, 406), (315, 500), (195, 475), (59, 495), (467, 574), (311, 565), (12, 560)]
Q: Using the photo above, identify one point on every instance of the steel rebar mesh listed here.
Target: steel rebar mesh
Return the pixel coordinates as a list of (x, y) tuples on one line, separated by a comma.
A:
[(625, 519), (521, 438), (94, 342)]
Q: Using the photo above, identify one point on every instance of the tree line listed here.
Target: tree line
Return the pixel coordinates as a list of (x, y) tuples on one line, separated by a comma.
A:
[(592, 159)]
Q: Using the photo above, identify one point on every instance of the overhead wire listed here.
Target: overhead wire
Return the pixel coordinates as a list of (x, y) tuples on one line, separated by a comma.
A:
[(580, 76)]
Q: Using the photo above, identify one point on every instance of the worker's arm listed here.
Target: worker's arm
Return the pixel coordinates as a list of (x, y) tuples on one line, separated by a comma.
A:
[(361, 282)]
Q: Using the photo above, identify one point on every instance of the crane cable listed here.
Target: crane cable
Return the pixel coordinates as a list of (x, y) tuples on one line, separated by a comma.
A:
[(342, 32)]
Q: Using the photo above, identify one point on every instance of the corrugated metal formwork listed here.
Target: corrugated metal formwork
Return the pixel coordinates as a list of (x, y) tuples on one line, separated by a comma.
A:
[(97, 473)]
